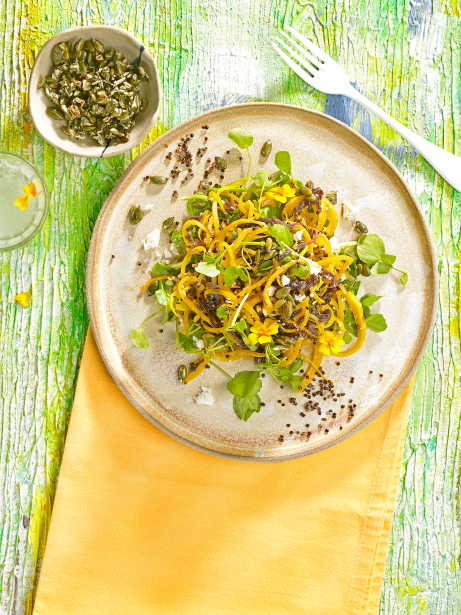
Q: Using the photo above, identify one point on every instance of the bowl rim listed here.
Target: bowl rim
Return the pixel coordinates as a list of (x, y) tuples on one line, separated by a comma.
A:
[(74, 149), (91, 273)]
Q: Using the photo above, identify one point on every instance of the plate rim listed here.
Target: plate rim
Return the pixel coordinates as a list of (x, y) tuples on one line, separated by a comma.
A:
[(335, 438)]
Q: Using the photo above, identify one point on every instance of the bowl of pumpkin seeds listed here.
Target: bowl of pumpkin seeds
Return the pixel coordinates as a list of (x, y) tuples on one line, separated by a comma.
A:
[(94, 91)]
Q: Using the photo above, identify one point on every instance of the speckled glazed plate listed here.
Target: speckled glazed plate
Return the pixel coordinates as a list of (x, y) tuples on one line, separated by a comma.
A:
[(332, 156)]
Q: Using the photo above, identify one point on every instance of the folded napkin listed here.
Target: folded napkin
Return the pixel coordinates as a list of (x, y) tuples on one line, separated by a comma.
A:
[(143, 524)]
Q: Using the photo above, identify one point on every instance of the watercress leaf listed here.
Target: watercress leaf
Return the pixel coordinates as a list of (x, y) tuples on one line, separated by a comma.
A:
[(404, 278), (245, 406), (388, 258), (296, 365), (347, 337), (222, 311), (176, 237), (245, 383), (139, 339), (355, 287), (261, 179), (283, 162), (295, 381), (284, 374), (196, 205), (241, 326), (379, 268), (163, 269), (300, 271), (366, 311), (162, 297), (265, 266), (270, 212), (353, 269), (232, 273), (376, 322), (207, 269), (187, 343), (241, 137), (369, 299), (281, 234), (370, 249)]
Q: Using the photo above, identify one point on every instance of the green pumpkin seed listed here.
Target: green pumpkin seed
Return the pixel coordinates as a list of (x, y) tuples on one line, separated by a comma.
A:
[(269, 244), (366, 270), (89, 45), (220, 163), (286, 311), (359, 268), (56, 54), (266, 149), (361, 228), (99, 47), (152, 288), (78, 45), (278, 304), (305, 191), (332, 197), (283, 292), (271, 254), (169, 224), (157, 179), (135, 214), (41, 83), (182, 372), (56, 114)]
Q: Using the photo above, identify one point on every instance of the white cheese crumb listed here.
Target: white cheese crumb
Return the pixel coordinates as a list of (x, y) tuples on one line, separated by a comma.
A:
[(157, 253), (166, 261), (298, 236), (313, 266), (173, 249), (130, 236), (334, 244), (264, 312), (349, 211), (167, 253), (152, 240), (285, 280), (272, 291), (199, 343), (205, 398), (147, 208), (298, 298)]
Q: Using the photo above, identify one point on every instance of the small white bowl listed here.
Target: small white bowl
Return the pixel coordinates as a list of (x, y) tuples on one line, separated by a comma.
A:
[(51, 129)]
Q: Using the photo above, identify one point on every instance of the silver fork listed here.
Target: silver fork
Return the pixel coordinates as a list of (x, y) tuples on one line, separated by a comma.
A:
[(317, 69)]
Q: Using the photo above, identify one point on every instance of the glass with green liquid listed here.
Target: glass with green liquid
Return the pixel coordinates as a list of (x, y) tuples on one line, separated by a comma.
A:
[(18, 226)]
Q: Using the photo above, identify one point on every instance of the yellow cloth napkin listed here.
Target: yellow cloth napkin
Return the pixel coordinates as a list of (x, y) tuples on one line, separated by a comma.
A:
[(143, 524)]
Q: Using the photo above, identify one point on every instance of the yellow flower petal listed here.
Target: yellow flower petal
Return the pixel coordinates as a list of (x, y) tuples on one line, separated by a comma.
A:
[(31, 190), (23, 299), (22, 202), (264, 339)]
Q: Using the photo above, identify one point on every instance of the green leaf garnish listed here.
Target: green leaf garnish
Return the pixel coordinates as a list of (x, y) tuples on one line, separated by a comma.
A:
[(207, 269), (163, 269), (283, 162), (176, 237), (241, 137), (244, 384), (245, 406), (162, 297), (376, 322), (261, 179), (369, 299), (300, 271), (370, 249), (232, 273), (139, 339), (281, 234), (380, 268), (222, 311)]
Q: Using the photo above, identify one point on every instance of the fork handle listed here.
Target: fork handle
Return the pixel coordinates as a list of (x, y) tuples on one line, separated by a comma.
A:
[(446, 164)]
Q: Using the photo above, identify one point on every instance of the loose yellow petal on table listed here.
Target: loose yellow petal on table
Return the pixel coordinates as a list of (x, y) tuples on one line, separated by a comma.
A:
[(23, 299)]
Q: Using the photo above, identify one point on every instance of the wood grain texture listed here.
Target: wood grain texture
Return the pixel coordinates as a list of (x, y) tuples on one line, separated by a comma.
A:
[(405, 56)]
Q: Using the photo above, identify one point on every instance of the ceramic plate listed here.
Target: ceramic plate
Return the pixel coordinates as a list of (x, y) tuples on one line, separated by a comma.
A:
[(333, 157)]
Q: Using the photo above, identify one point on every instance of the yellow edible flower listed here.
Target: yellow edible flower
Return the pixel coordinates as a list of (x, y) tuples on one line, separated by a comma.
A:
[(23, 201), (261, 333), (330, 343), (23, 299), (281, 193)]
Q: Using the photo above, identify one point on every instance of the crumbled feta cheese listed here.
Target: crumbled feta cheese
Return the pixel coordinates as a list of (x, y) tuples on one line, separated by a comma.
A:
[(298, 236), (157, 253), (349, 211), (285, 280), (167, 253), (313, 266), (173, 249), (264, 312), (298, 298), (272, 291), (152, 240), (147, 208), (166, 261), (334, 244), (205, 398), (199, 343)]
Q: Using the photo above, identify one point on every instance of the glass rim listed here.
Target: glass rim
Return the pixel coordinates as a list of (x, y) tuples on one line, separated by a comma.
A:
[(38, 227)]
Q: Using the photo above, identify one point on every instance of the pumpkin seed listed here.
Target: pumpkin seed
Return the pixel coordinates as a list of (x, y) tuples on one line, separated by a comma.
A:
[(283, 292), (366, 271), (157, 179), (359, 268), (278, 304), (57, 114), (220, 163), (152, 288), (271, 254), (135, 214), (332, 197), (169, 224), (286, 311), (361, 228), (305, 191), (182, 372), (269, 244), (266, 149), (41, 83)]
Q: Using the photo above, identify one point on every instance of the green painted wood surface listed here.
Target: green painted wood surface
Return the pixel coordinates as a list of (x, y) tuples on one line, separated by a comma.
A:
[(405, 56)]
